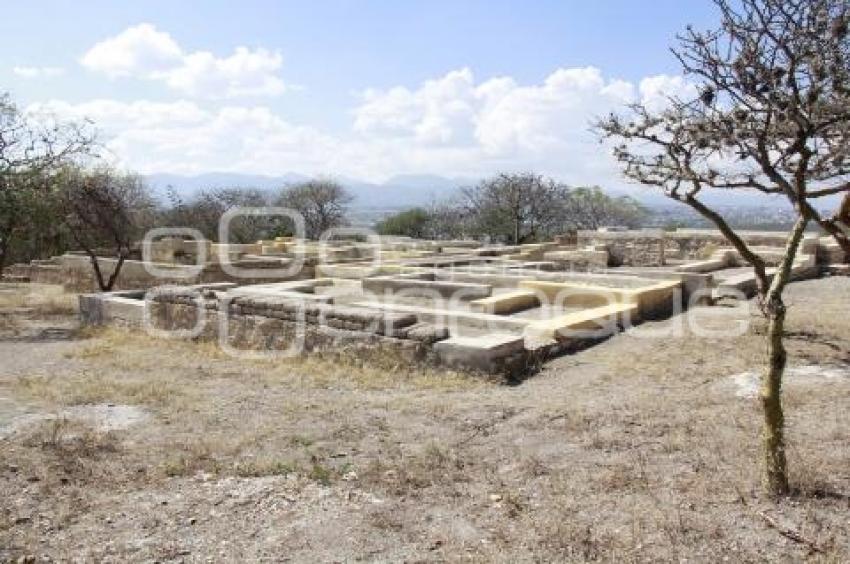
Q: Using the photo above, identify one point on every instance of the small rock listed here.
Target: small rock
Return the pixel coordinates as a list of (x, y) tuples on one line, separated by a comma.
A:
[(495, 498)]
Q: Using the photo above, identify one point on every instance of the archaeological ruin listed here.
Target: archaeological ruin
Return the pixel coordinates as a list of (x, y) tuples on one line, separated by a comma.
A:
[(487, 308)]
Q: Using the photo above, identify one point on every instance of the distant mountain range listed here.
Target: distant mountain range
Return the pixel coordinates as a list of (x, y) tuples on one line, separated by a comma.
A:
[(422, 189)]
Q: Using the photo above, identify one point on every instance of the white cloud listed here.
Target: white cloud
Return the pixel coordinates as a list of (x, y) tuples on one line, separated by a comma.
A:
[(142, 51), (451, 125), (455, 125), (38, 72), (436, 113), (245, 73), (182, 137)]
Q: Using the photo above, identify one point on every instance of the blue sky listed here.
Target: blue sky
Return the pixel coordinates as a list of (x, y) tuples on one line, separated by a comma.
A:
[(368, 88)]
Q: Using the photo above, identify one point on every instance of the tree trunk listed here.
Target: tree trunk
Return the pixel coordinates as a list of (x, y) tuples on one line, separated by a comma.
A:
[(3, 248), (98, 275), (114, 276), (773, 429)]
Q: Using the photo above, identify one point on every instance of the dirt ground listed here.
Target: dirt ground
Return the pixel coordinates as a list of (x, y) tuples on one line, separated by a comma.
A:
[(119, 447)]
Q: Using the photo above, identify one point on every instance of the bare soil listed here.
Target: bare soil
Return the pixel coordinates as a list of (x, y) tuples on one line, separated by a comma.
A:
[(638, 449)]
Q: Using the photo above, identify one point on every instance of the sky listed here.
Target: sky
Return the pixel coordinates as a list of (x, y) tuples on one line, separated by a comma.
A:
[(366, 89)]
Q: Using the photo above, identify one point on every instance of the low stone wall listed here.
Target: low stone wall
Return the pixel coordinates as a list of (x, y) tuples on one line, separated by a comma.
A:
[(578, 259), (254, 326), (627, 248), (425, 285), (74, 271), (655, 247), (269, 324)]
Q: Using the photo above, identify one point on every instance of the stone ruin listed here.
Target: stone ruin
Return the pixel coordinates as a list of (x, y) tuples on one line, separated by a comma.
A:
[(484, 308)]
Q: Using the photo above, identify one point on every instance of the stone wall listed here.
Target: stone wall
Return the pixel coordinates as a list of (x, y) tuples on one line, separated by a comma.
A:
[(74, 271), (269, 324), (627, 248), (655, 247), (256, 326)]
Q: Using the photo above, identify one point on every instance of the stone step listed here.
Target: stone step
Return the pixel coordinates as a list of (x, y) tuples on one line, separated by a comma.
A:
[(508, 302), (451, 318), (590, 323), (482, 353)]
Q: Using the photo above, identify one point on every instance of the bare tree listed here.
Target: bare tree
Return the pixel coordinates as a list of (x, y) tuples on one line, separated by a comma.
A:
[(105, 209), (516, 208), (449, 219), (772, 116), (204, 211), (32, 151), (323, 204), (591, 208)]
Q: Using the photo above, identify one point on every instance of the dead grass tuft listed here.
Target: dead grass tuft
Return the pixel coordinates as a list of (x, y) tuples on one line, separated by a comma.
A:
[(39, 300), (70, 438), (434, 465), (90, 388), (378, 370), (371, 370)]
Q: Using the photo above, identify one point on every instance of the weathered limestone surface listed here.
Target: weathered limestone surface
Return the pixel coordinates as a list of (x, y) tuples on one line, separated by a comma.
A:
[(627, 248), (75, 273), (653, 301), (509, 302), (456, 318), (745, 283), (574, 295), (122, 308), (249, 333), (596, 322), (485, 353), (388, 285)]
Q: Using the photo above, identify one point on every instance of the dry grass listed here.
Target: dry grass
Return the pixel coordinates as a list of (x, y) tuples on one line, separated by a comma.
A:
[(94, 388), (40, 300), (378, 369), (20, 304), (69, 438), (633, 451)]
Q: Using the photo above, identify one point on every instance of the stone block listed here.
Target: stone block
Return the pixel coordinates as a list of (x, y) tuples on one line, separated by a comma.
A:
[(382, 285), (702, 266), (456, 318), (574, 295), (596, 322), (426, 333), (482, 353), (508, 302)]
